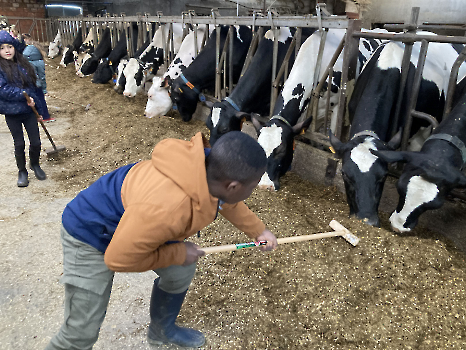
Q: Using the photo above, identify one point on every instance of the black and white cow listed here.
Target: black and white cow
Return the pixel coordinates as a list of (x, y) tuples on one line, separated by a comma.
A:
[(371, 110), (277, 135), (120, 80), (103, 49), (251, 92), (139, 67), (84, 52), (186, 89), (55, 46), (108, 66), (69, 50), (159, 101), (430, 174)]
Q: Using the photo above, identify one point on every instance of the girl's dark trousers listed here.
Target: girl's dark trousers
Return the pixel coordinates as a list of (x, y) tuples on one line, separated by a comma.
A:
[(15, 123)]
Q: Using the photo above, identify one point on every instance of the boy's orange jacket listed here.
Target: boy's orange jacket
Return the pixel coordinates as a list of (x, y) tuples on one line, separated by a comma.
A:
[(167, 199)]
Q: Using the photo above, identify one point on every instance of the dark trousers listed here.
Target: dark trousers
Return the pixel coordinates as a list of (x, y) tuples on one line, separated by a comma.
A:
[(15, 123)]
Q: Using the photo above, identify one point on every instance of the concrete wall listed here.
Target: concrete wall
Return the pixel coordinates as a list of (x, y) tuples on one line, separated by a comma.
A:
[(433, 11)]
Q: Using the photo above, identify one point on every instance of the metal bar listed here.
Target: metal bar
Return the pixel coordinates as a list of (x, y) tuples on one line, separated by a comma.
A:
[(276, 34), (217, 62), (251, 50), (421, 115), (405, 63), (313, 106), (223, 60), (230, 66), (452, 82), (350, 58), (340, 22), (415, 93), (320, 54), (406, 37), (327, 105)]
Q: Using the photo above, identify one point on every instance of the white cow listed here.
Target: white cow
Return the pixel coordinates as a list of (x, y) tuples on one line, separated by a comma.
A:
[(159, 102)]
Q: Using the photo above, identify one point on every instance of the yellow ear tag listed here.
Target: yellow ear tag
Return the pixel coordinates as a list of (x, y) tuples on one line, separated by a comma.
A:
[(109, 62), (302, 132), (241, 123), (331, 149)]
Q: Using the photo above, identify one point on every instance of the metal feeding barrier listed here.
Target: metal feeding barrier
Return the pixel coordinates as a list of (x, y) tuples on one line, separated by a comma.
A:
[(143, 25)]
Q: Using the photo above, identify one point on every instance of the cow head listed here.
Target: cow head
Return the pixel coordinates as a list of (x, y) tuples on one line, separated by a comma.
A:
[(223, 118), (422, 186), (120, 81), (68, 56), (277, 139), (103, 73), (135, 77), (184, 99), (54, 49), (363, 173), (158, 99)]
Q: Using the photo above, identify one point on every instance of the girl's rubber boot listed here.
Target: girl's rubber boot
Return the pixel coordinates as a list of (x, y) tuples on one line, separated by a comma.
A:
[(34, 155), (164, 309), (23, 180)]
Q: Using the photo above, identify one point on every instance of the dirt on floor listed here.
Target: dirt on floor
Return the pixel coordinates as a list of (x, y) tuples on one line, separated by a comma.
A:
[(389, 292)]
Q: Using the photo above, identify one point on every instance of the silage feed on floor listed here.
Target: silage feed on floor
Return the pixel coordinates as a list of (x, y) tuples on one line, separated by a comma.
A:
[(389, 292)]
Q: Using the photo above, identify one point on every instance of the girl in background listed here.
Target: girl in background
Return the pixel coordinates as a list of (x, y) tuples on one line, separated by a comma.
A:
[(34, 53), (17, 75)]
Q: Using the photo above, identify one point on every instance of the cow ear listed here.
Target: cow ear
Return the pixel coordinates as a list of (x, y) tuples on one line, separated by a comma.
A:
[(256, 122), (395, 141), (392, 156), (300, 128), (209, 104), (338, 147)]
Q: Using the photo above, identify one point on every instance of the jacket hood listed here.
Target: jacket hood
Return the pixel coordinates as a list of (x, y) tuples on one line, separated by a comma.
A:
[(184, 163), (6, 38)]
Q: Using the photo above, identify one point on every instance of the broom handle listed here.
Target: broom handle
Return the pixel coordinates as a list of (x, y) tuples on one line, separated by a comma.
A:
[(40, 121), (233, 247)]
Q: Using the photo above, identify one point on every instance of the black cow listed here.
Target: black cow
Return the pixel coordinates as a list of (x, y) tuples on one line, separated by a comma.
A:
[(200, 75), (108, 66), (430, 174), (251, 92), (371, 110), (102, 50)]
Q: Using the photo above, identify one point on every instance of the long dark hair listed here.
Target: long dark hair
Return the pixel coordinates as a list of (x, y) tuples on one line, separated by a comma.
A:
[(15, 75)]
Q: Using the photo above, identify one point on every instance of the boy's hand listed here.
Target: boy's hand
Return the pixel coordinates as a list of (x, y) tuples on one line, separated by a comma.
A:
[(192, 253), (268, 236)]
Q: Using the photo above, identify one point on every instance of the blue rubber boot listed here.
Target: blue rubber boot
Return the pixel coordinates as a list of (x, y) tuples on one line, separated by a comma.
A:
[(164, 309)]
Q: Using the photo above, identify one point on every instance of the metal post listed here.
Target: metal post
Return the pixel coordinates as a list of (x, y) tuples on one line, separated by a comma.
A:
[(405, 63), (350, 58), (217, 62), (415, 92), (230, 64), (452, 82), (276, 33)]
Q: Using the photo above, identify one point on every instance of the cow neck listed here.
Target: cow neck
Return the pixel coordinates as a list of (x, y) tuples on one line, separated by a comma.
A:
[(279, 117), (192, 87), (455, 141), (366, 133), (233, 104)]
